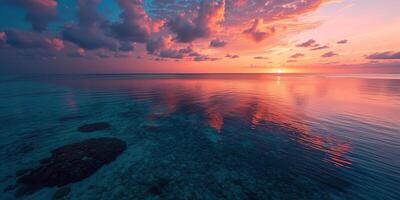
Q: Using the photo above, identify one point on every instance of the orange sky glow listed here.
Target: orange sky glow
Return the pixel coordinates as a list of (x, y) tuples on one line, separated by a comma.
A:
[(212, 36)]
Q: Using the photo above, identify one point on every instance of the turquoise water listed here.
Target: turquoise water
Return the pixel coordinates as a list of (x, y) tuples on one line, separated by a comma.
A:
[(209, 136)]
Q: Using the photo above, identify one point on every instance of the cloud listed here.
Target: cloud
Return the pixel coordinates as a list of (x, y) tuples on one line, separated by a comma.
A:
[(135, 25), (308, 44), (342, 42), (32, 40), (320, 48), (39, 12), (232, 56), (152, 22), (164, 51), (78, 53), (329, 54), (126, 46), (297, 55), (171, 53), (89, 33), (156, 44), (217, 43), (103, 54), (210, 13), (388, 55), (313, 45), (291, 61), (269, 11), (3, 39), (259, 33), (204, 58), (260, 58), (122, 54)]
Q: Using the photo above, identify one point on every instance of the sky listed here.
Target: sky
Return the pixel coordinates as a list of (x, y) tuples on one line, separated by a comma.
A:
[(199, 36)]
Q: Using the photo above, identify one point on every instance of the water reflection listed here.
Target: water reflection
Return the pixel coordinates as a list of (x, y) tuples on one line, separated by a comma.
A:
[(306, 107)]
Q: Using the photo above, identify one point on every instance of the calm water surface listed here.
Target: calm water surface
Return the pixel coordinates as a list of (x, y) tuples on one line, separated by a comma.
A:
[(211, 136)]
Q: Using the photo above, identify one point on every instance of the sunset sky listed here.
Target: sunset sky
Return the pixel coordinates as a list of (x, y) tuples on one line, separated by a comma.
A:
[(199, 36)]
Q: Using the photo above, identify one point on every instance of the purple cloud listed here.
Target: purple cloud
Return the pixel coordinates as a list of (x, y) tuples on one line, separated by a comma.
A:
[(258, 33), (297, 55), (135, 24), (320, 48), (88, 33), (342, 42), (32, 40), (155, 44), (209, 14), (260, 58), (307, 44), (231, 56), (39, 12), (329, 54), (388, 55), (217, 43), (171, 53), (204, 58), (78, 53)]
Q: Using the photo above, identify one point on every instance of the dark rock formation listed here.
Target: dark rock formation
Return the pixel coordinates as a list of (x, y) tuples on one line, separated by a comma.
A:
[(87, 128), (73, 162)]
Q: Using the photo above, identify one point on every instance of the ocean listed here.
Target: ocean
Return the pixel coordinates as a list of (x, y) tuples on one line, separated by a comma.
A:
[(200, 136)]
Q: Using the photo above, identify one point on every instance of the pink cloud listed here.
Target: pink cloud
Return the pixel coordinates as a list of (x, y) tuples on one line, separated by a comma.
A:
[(297, 55), (210, 13), (257, 32)]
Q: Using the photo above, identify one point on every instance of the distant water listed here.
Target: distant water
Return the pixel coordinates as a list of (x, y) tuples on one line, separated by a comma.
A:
[(210, 136)]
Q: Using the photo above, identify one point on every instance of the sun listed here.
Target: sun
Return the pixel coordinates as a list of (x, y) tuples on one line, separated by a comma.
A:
[(279, 71)]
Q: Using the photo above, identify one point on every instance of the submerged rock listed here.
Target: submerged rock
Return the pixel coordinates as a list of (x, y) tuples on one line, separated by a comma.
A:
[(73, 162), (87, 128)]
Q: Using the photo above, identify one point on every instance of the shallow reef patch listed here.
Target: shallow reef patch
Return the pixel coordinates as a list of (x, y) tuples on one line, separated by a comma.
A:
[(70, 163)]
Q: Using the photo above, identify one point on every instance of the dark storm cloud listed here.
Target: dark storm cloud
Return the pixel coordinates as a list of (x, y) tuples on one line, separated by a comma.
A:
[(388, 55), (39, 12)]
